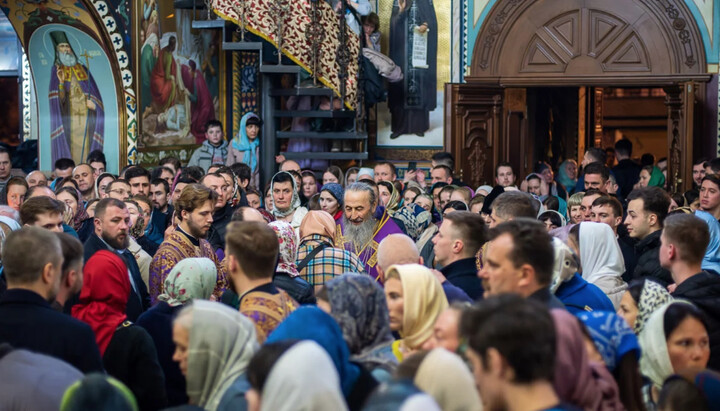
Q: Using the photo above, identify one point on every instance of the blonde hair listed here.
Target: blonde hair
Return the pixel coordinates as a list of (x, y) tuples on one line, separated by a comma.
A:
[(575, 199)]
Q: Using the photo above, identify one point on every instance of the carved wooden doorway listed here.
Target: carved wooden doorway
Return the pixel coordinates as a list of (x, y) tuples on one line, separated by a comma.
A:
[(574, 43)]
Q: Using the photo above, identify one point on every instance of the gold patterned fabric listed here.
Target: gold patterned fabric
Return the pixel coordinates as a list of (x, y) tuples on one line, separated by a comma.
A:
[(260, 20), (174, 249), (266, 310)]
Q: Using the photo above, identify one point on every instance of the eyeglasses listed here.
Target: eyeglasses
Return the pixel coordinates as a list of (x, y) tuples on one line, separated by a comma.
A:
[(119, 191)]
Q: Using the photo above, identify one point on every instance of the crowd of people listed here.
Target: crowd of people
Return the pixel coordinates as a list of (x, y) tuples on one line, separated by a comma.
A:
[(583, 287)]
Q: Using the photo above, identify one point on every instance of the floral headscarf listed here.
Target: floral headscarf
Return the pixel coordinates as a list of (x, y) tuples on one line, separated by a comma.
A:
[(294, 204), (415, 218), (394, 201), (612, 336), (191, 278), (80, 214), (288, 248)]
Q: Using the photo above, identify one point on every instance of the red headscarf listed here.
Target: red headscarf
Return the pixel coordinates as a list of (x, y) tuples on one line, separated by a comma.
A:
[(104, 295)]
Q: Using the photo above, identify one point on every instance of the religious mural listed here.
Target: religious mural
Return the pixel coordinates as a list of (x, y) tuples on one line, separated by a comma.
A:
[(66, 60), (180, 73), (416, 36)]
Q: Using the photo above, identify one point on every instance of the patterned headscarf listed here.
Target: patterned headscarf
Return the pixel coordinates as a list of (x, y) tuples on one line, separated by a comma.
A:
[(191, 278), (612, 336), (394, 200), (288, 248), (415, 218), (358, 305), (294, 203), (652, 296)]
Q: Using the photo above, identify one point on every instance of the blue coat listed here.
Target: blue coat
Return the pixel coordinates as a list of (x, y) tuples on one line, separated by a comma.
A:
[(463, 274), (579, 295)]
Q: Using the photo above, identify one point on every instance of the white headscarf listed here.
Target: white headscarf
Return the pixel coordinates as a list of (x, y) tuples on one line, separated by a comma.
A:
[(565, 265), (152, 41), (222, 342), (455, 391), (655, 360), (600, 254), (303, 379), (294, 203)]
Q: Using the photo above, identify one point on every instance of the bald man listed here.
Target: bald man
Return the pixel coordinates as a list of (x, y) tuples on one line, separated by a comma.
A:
[(247, 214), (400, 249), (36, 178), (289, 165)]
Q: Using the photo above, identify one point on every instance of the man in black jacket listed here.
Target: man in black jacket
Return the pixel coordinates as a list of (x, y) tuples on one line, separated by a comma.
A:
[(461, 235), (26, 318), (684, 240), (627, 172), (223, 211), (112, 223), (647, 208)]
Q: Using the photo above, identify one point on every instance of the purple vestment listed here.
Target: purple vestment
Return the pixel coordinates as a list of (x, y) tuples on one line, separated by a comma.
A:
[(60, 119)]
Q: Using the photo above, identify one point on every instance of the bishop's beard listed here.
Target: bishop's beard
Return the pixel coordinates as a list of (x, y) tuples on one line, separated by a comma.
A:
[(360, 234), (67, 58)]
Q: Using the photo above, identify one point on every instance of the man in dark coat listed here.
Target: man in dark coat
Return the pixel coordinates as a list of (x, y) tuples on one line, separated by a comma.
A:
[(684, 241), (112, 223), (461, 235), (627, 172), (647, 208), (26, 318), (223, 210)]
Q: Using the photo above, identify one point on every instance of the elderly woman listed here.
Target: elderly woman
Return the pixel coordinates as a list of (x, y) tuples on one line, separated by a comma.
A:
[(318, 260), (286, 199), (214, 345), (358, 305), (415, 298), (191, 278), (286, 275), (127, 350), (311, 323)]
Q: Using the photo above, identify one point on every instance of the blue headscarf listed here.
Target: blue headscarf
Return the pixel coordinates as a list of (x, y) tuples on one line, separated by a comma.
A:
[(563, 178), (242, 143), (711, 261), (336, 190), (612, 336), (312, 323)]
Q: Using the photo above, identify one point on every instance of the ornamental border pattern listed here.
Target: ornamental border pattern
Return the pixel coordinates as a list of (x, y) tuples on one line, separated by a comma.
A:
[(116, 39)]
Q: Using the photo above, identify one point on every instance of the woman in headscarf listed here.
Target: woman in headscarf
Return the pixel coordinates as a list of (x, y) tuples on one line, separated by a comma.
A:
[(214, 346), (287, 276), (331, 200), (298, 376), (641, 299), (101, 184), (651, 176), (351, 175), (127, 350), (358, 305), (711, 261), (579, 381), (319, 267), (290, 209), (245, 148), (81, 221), (600, 257), (444, 376), (191, 278), (567, 175), (675, 338), (415, 219), (545, 172), (312, 323), (415, 298), (618, 347), (400, 395), (389, 197), (569, 287)]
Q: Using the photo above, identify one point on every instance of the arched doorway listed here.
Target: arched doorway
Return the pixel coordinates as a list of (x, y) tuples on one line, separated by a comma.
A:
[(587, 44)]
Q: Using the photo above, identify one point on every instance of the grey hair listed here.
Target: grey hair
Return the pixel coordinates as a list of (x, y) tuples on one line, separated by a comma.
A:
[(360, 187), (185, 317), (10, 212)]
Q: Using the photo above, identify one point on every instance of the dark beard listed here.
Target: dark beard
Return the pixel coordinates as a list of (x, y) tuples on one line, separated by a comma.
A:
[(115, 243), (196, 230), (359, 235)]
